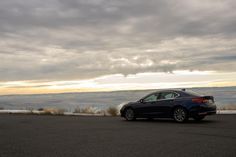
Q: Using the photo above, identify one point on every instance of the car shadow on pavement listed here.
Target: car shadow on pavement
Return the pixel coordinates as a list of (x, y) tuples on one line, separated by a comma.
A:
[(162, 120)]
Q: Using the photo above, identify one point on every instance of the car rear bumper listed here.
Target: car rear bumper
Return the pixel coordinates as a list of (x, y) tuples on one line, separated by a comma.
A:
[(203, 110), (206, 113)]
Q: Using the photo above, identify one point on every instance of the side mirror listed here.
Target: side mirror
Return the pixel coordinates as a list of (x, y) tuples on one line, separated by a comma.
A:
[(141, 101)]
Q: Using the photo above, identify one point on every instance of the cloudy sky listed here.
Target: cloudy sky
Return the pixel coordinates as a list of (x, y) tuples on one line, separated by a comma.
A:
[(96, 45)]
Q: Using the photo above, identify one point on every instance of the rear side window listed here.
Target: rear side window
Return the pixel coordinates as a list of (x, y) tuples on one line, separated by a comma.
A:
[(168, 95)]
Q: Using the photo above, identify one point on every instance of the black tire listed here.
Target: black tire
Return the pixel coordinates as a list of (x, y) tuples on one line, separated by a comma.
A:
[(129, 114), (198, 118), (180, 115)]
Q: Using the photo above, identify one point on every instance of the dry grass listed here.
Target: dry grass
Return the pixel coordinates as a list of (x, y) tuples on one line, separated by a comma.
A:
[(101, 112), (30, 109), (88, 110), (53, 111), (227, 107), (77, 110), (113, 111), (40, 109)]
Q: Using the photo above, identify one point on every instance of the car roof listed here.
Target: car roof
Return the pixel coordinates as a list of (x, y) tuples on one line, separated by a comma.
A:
[(181, 92), (166, 90), (169, 90)]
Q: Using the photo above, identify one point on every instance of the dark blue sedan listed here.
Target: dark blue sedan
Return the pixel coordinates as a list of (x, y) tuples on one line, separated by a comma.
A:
[(177, 104)]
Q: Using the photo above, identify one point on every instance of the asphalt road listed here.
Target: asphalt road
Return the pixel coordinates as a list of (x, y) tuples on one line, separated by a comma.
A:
[(61, 136)]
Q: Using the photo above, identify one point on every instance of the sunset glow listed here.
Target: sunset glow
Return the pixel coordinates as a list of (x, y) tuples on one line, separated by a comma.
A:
[(100, 45), (177, 79)]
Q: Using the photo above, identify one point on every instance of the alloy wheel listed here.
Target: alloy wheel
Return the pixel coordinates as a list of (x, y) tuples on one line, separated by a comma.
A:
[(180, 115), (129, 115)]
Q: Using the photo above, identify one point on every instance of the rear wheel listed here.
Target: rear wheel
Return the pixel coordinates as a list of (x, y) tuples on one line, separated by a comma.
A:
[(129, 114), (198, 118), (180, 115)]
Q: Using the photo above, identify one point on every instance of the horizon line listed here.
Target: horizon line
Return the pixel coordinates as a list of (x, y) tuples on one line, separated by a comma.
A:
[(107, 91)]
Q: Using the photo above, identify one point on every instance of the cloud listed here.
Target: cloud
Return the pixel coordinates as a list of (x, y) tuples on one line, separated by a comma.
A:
[(79, 39)]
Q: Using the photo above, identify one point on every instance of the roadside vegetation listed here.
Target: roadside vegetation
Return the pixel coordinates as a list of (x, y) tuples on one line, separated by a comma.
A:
[(30, 109), (113, 111), (227, 107), (87, 110), (110, 111), (53, 111)]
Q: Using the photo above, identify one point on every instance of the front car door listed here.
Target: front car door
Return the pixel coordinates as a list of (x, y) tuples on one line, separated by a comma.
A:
[(165, 103), (146, 106)]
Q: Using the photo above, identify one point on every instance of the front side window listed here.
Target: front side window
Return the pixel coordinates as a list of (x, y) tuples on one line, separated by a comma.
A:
[(168, 95), (151, 98)]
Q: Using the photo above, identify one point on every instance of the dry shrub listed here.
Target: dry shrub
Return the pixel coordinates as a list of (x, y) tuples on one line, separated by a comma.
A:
[(101, 112), (40, 109), (113, 111), (30, 109), (47, 111), (53, 111), (77, 110), (89, 110), (61, 111), (227, 107)]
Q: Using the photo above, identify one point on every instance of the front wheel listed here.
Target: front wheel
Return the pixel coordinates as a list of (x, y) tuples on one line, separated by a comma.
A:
[(180, 115), (129, 114)]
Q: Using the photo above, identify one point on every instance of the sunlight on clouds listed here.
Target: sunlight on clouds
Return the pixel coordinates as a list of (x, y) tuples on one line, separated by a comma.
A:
[(186, 72), (96, 45), (177, 79)]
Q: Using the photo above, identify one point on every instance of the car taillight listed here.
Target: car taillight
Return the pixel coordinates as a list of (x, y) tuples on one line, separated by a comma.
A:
[(200, 100)]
